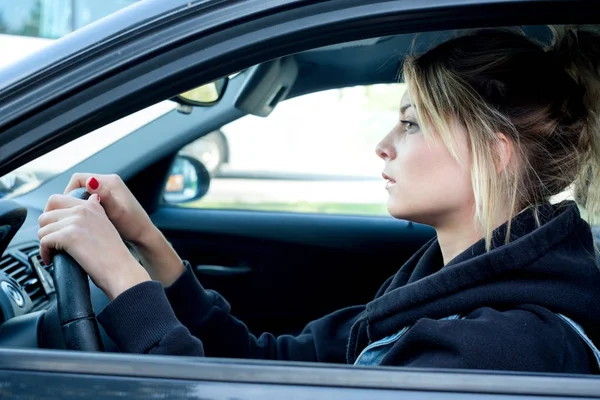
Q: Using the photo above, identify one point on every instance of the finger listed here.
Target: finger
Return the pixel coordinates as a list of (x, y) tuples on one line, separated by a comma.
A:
[(94, 203), (50, 217), (78, 180), (54, 227), (51, 243), (94, 198), (59, 201), (93, 183)]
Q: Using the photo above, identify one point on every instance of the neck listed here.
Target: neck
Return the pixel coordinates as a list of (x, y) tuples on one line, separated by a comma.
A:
[(456, 236), (454, 241)]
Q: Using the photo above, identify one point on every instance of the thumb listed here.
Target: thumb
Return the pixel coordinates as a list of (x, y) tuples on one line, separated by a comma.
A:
[(94, 186)]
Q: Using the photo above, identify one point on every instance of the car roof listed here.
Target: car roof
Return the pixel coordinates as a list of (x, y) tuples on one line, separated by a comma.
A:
[(372, 61)]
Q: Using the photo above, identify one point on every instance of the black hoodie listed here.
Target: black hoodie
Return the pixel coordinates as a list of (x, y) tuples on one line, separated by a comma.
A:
[(508, 299)]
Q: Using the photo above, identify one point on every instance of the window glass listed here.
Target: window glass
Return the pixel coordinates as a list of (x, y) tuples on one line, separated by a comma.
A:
[(314, 153), (55, 162), (88, 11), (52, 19), (38, 18), (26, 26)]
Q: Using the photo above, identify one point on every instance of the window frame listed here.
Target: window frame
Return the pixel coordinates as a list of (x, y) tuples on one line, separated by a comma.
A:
[(170, 375)]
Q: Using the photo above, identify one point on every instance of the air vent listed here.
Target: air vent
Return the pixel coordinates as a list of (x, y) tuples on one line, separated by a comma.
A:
[(34, 251), (27, 277), (33, 286), (15, 269)]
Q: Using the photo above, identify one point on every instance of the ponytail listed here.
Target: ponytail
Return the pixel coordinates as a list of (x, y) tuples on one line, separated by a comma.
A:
[(577, 50)]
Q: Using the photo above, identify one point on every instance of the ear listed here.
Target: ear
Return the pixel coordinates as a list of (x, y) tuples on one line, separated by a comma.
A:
[(505, 152)]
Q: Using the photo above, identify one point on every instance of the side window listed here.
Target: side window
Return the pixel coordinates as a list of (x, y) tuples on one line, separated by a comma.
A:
[(314, 153)]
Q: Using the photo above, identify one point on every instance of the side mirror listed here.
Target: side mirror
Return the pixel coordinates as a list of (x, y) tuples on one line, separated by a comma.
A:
[(203, 96), (188, 180)]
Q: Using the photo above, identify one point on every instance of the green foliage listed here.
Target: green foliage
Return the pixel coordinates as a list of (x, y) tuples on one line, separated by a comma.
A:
[(300, 207)]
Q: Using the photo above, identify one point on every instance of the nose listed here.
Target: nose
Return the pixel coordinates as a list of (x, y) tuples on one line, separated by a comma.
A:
[(385, 149)]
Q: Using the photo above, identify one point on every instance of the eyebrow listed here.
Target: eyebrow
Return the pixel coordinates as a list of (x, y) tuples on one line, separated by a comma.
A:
[(405, 107)]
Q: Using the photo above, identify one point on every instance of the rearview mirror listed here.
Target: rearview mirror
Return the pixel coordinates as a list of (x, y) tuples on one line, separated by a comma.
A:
[(205, 95), (188, 180)]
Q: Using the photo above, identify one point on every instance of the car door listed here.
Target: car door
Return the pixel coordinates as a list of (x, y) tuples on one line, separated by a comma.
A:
[(279, 270), (83, 94)]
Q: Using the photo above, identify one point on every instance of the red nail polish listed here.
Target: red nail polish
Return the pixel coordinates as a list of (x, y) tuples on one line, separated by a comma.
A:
[(94, 184)]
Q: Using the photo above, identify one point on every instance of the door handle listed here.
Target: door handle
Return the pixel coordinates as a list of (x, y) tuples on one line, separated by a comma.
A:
[(220, 270)]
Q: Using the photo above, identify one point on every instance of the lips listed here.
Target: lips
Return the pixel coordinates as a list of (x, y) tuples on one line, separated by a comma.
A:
[(389, 180)]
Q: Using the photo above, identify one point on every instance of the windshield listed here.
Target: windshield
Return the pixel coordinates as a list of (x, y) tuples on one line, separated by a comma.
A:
[(27, 26), (36, 172)]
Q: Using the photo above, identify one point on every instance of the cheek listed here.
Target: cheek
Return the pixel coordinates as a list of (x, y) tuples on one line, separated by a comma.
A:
[(429, 180)]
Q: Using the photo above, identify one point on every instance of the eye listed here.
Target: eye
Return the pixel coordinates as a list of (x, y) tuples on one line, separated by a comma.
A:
[(409, 127)]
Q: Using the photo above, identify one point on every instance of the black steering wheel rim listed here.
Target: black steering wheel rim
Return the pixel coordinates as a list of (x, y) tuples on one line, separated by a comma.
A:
[(75, 312)]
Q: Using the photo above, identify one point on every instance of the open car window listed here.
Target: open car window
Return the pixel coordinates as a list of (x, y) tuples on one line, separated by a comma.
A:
[(314, 153)]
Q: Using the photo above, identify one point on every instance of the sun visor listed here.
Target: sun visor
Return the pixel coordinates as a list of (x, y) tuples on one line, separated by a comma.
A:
[(268, 84)]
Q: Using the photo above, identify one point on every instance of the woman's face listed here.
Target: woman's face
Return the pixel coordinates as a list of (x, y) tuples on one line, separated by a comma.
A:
[(424, 182)]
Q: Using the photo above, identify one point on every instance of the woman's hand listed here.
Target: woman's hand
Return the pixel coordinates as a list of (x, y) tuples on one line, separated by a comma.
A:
[(121, 206), (82, 229), (133, 224)]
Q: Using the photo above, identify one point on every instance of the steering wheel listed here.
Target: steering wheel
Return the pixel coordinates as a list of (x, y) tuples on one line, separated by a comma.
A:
[(75, 313)]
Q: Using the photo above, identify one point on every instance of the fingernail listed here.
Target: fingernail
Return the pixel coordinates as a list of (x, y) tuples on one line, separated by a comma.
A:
[(98, 198), (94, 183)]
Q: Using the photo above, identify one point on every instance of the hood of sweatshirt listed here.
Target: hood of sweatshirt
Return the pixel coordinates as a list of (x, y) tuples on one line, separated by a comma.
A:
[(551, 264)]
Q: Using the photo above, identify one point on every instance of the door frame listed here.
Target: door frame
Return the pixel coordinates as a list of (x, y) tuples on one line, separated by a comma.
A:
[(300, 375)]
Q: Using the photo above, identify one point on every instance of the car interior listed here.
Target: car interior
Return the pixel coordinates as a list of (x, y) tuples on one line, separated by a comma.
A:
[(292, 257)]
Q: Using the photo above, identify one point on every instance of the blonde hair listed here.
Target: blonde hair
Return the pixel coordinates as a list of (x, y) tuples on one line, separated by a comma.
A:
[(545, 100)]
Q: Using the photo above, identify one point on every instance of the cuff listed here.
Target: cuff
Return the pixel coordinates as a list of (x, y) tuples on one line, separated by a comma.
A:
[(139, 318), (190, 301)]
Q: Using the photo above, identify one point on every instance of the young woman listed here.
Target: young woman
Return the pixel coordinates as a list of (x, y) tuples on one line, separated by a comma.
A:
[(492, 125)]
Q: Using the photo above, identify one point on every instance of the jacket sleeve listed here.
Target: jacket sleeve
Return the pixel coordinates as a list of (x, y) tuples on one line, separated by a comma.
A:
[(186, 319), (207, 316), (529, 338), (140, 320)]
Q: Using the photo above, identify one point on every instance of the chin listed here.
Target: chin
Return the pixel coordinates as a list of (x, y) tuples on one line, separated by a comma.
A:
[(401, 210)]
